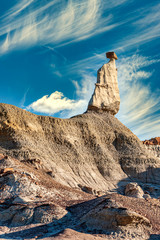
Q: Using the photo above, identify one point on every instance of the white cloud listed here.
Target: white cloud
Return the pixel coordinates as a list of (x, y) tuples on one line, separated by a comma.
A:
[(56, 102)]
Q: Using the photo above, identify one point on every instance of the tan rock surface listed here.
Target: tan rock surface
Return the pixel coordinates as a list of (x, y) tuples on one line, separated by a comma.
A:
[(134, 190), (152, 141), (109, 216), (106, 94)]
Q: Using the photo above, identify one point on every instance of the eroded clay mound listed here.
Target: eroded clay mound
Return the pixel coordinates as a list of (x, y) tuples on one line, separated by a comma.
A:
[(92, 149)]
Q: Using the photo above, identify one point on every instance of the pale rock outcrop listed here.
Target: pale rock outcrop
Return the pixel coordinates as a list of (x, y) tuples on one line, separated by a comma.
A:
[(50, 213), (106, 94), (134, 190), (109, 216)]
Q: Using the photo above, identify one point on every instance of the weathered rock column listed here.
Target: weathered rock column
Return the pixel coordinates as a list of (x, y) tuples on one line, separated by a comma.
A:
[(106, 94)]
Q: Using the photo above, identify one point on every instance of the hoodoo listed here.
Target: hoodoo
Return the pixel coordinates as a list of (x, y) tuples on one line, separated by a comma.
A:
[(106, 94)]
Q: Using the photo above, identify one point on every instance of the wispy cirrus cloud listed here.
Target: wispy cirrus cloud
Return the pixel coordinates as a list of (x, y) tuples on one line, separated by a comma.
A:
[(16, 9), (55, 22), (145, 28), (140, 105), (59, 23)]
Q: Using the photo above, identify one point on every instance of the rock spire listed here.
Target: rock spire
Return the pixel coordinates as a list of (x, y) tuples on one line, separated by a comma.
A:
[(106, 94)]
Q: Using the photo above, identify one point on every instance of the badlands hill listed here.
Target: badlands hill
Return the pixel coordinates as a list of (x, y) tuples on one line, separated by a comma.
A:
[(66, 178), (92, 149)]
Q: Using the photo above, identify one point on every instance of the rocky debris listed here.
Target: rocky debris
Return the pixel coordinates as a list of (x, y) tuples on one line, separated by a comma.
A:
[(32, 161), (149, 208), (91, 190), (37, 163), (50, 213), (51, 173), (106, 94), (21, 216), (4, 229), (152, 141), (134, 190), (128, 218)]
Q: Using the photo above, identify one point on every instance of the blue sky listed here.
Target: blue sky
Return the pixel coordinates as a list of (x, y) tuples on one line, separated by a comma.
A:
[(50, 51)]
